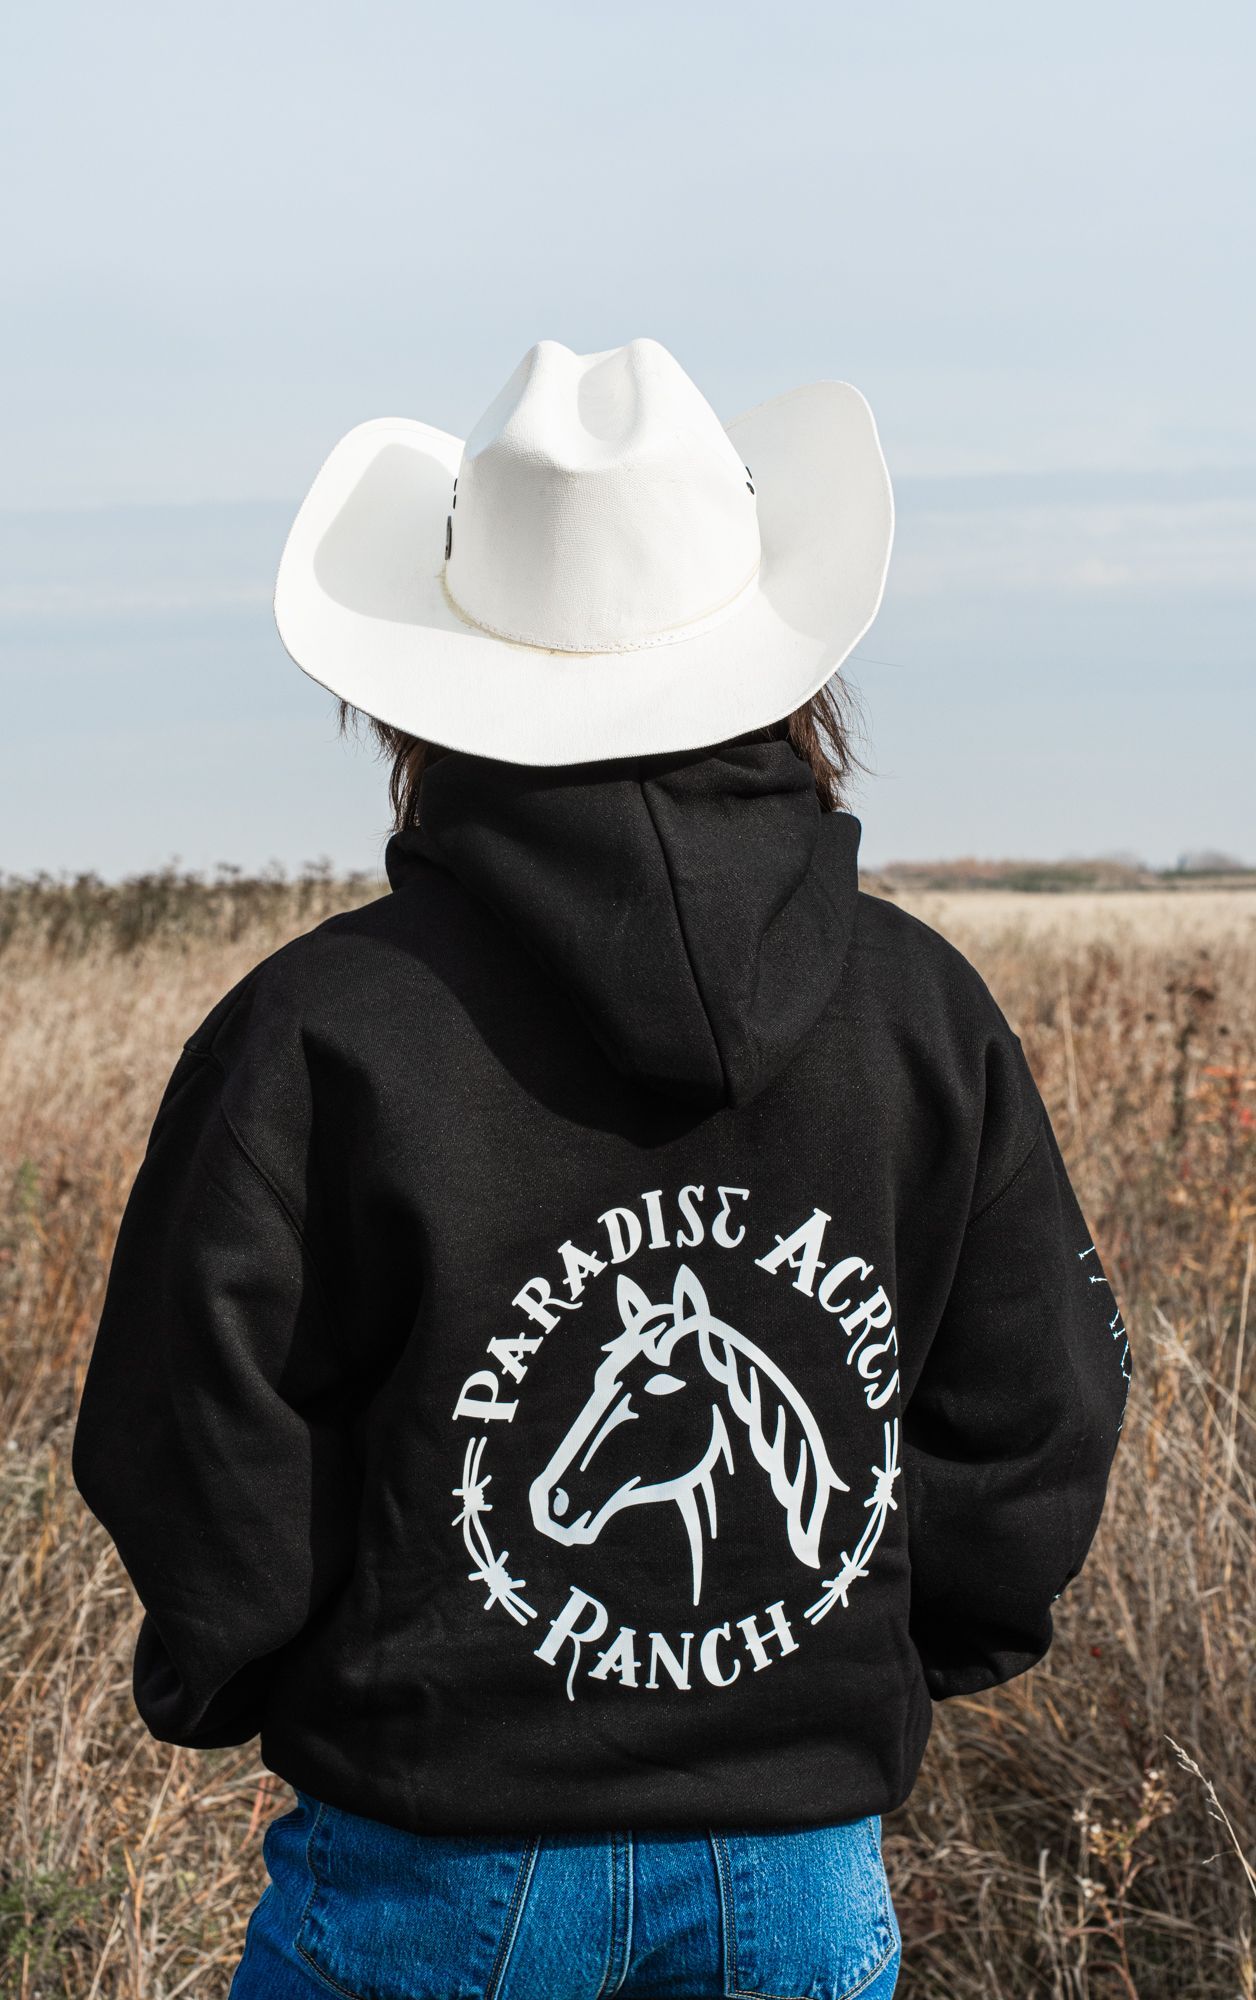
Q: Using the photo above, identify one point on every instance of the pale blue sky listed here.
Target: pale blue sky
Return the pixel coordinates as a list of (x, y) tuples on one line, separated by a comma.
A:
[(1025, 234)]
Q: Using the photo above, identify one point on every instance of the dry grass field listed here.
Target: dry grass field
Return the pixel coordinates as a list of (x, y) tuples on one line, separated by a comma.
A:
[(1087, 1831)]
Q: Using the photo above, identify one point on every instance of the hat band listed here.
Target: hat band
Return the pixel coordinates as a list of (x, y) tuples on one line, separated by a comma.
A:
[(690, 630)]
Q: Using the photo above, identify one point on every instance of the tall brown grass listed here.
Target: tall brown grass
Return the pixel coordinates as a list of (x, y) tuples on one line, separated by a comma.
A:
[(1088, 1830)]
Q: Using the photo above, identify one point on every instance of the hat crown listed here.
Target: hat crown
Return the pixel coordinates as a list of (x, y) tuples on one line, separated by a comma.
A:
[(600, 505)]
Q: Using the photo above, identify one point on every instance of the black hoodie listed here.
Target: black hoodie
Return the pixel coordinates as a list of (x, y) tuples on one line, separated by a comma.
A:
[(601, 1336)]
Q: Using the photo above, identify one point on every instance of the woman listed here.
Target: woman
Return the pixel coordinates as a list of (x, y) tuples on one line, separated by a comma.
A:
[(602, 1337)]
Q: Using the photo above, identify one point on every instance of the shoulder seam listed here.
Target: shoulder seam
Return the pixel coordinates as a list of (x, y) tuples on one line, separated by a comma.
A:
[(1015, 1175), (276, 1193)]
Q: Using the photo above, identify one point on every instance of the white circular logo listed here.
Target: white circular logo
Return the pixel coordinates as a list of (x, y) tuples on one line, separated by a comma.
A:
[(667, 1411)]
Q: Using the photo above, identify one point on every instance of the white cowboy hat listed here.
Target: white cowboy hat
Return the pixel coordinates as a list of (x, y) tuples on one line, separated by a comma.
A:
[(601, 570)]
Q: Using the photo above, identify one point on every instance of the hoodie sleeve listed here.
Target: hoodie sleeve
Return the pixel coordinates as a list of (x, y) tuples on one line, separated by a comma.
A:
[(207, 1440), (1011, 1429)]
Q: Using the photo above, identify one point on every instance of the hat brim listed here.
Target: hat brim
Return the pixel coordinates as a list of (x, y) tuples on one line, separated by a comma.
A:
[(361, 605)]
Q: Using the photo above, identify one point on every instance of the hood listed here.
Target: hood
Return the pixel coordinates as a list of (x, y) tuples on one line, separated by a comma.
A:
[(696, 907)]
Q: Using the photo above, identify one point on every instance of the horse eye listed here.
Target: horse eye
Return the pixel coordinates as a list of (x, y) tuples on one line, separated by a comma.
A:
[(663, 1385)]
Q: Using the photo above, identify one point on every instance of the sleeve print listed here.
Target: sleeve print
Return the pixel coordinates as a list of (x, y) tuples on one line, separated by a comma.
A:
[(1101, 1301), (1010, 1432), (1116, 1324)]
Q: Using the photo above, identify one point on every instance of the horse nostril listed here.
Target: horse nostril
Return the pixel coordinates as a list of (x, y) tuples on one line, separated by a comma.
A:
[(559, 1502)]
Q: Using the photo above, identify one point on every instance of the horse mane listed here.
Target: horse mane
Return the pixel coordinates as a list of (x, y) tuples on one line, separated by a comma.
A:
[(784, 1437)]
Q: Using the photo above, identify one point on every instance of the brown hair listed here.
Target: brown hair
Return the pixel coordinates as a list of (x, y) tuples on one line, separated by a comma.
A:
[(821, 731)]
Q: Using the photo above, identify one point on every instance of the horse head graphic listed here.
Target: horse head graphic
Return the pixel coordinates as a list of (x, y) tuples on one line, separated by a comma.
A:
[(656, 1424)]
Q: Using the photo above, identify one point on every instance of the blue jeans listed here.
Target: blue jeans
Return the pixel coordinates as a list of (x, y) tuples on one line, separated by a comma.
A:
[(369, 1912)]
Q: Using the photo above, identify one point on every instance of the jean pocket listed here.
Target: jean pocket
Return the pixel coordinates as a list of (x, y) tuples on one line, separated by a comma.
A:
[(392, 1915), (807, 1915)]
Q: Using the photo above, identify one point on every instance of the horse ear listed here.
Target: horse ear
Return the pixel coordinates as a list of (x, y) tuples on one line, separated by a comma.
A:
[(634, 1304), (689, 1300)]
